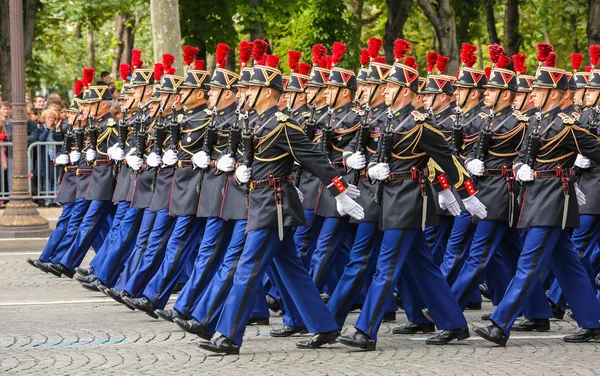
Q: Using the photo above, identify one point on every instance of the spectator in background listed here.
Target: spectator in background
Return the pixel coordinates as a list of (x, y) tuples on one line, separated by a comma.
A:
[(4, 112), (64, 113), (104, 78), (39, 103), (51, 131), (115, 111)]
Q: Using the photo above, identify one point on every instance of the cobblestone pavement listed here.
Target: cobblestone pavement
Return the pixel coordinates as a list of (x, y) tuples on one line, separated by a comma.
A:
[(52, 326)]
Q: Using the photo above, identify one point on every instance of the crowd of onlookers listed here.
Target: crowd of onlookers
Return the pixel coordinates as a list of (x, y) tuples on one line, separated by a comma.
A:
[(46, 122)]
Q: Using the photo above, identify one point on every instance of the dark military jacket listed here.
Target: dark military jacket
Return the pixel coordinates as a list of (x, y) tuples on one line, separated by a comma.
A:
[(472, 121), (210, 202), (184, 197), (141, 189), (279, 142), (309, 184), (589, 178), (298, 115), (377, 119), (416, 141), (345, 121), (102, 185), (67, 192), (496, 187), (562, 138), (125, 173), (84, 169)]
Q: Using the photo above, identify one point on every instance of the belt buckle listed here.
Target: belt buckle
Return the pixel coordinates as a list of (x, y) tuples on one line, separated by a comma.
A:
[(536, 174), (413, 172)]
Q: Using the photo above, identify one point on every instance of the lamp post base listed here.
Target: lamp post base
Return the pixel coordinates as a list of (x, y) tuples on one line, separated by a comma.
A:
[(22, 220)]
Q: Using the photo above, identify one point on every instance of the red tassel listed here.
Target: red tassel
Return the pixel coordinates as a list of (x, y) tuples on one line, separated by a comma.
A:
[(543, 49), (519, 63), (189, 54), (550, 60), (168, 60), (379, 59), (318, 53), (221, 55), (488, 72), (88, 76), (467, 54), (78, 87), (401, 48), (442, 63), (374, 47), (259, 49), (503, 61), (294, 60), (273, 61), (124, 71), (364, 57), (576, 60), (337, 52), (594, 55), (245, 52), (496, 51), (199, 64), (431, 60), (170, 70), (410, 61), (328, 62), (136, 61), (588, 68), (304, 69), (159, 71)]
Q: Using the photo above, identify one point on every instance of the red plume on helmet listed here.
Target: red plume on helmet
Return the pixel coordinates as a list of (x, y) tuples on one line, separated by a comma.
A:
[(442, 63), (304, 68), (588, 68), (543, 49), (272, 61), (519, 63), (337, 52), (199, 64), (221, 55), (124, 71), (168, 60), (432, 57), (88, 76), (136, 61), (318, 53), (245, 52), (364, 57), (550, 60), (576, 60), (159, 71), (189, 54), (328, 62), (467, 54), (594, 55), (503, 61), (496, 51), (410, 61), (488, 72), (401, 48), (374, 47), (259, 49), (379, 59), (294, 60), (78, 87)]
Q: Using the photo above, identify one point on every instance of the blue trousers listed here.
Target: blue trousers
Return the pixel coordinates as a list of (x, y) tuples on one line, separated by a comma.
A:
[(141, 245), (77, 214), (103, 252), (181, 247), (552, 245), (410, 246), (412, 300), (120, 248), (263, 247), (62, 225), (437, 237), (331, 239), (306, 237), (216, 239), (153, 257), (585, 240), (98, 212)]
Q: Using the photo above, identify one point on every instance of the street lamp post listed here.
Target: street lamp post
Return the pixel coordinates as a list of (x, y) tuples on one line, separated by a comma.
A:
[(20, 218)]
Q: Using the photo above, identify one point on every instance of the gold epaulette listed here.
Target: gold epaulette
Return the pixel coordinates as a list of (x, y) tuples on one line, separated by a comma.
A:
[(483, 115), (111, 122), (419, 116), (520, 116), (208, 112), (179, 118), (306, 115), (566, 118), (576, 115), (453, 117), (358, 111), (282, 118)]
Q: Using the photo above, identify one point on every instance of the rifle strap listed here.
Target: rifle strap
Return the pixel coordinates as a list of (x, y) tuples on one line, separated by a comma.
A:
[(407, 118)]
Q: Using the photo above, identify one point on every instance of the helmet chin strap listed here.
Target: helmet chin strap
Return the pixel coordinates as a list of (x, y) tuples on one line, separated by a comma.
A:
[(493, 109), (254, 99), (545, 101), (184, 100), (461, 105), (337, 93), (523, 102)]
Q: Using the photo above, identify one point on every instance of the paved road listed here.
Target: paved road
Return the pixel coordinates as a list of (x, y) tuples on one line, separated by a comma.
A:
[(52, 326)]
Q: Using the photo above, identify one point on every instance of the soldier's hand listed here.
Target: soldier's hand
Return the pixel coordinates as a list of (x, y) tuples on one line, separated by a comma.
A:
[(117, 154), (448, 202), (380, 171), (170, 158), (242, 174), (525, 173), (346, 205), (153, 160), (300, 194), (75, 156), (90, 155), (226, 163), (475, 207), (476, 167), (582, 162), (110, 150), (356, 161), (134, 162), (201, 159), (62, 160), (581, 200), (353, 191), (131, 152)]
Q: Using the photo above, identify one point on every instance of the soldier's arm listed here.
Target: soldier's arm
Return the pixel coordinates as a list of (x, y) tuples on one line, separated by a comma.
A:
[(581, 141), (351, 147)]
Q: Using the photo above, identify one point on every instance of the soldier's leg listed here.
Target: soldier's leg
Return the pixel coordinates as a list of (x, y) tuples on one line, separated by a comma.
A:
[(437, 237), (62, 225), (305, 237), (458, 245), (333, 234), (77, 215), (412, 300), (107, 246)]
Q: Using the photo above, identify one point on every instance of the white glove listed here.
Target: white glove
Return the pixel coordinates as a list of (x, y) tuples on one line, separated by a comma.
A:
[(201, 160), (135, 162), (242, 174), (117, 154), (356, 161), (476, 167), (75, 156), (170, 158), (448, 202), (300, 194), (153, 160), (353, 191), (226, 163), (90, 155), (581, 200), (525, 173), (475, 207), (380, 171), (62, 160), (346, 205), (131, 152), (582, 162), (110, 150)]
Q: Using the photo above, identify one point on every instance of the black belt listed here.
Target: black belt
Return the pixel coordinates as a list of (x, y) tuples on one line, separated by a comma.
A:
[(556, 173), (339, 165), (185, 163), (272, 182), (412, 174), (70, 169), (84, 171), (102, 162), (505, 171)]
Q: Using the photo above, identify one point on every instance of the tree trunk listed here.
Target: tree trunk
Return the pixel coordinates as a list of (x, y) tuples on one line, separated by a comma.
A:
[(128, 39), (31, 8), (166, 32), (462, 33), (397, 14), (91, 48), (490, 21), (573, 20), (258, 29), (593, 26), (511, 28), (443, 21), (120, 19)]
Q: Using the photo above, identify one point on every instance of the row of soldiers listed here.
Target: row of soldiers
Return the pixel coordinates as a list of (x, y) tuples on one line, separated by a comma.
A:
[(329, 191)]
